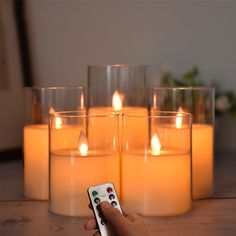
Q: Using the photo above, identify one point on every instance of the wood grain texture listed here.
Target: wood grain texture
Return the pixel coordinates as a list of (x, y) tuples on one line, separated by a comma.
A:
[(208, 217), (23, 217)]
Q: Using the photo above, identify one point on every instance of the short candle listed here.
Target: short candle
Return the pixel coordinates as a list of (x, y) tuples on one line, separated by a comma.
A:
[(74, 169), (71, 175), (156, 182)]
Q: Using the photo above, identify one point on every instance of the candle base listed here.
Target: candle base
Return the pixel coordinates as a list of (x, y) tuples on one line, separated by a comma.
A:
[(77, 206)]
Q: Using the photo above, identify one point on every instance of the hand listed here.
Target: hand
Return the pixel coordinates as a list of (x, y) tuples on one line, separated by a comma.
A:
[(128, 224)]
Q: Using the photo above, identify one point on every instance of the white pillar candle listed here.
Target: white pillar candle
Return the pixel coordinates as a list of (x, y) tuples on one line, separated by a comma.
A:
[(71, 175)]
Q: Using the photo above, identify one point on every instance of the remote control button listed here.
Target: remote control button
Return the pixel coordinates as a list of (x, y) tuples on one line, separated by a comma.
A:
[(114, 203), (98, 208), (94, 193), (97, 200), (100, 214), (109, 190), (111, 196), (103, 222)]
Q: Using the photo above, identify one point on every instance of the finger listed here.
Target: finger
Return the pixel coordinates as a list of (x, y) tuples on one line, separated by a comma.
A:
[(90, 224), (113, 215), (124, 211), (132, 217), (129, 215), (97, 234), (90, 206)]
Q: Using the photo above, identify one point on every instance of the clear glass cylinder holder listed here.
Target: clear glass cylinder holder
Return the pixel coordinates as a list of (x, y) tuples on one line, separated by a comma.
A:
[(199, 101), (127, 82), (156, 163), (81, 156), (39, 101)]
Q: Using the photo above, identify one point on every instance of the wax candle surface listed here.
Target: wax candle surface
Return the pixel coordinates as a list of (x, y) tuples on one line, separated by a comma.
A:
[(136, 128), (202, 160), (202, 153), (36, 161), (36, 154), (71, 175), (156, 185)]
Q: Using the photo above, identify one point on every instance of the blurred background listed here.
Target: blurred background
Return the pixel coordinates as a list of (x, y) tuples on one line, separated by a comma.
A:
[(50, 43)]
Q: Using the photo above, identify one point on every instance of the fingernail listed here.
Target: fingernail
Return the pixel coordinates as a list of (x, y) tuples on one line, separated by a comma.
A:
[(106, 204)]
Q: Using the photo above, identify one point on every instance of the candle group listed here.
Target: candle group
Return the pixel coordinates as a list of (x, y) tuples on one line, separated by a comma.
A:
[(152, 174)]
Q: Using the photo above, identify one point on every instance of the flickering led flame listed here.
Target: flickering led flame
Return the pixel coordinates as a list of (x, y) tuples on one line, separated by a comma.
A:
[(51, 111), (82, 101), (178, 121), (155, 143), (116, 101), (83, 144), (155, 101), (58, 120)]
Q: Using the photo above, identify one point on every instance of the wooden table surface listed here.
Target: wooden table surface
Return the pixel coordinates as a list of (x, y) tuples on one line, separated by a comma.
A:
[(216, 216)]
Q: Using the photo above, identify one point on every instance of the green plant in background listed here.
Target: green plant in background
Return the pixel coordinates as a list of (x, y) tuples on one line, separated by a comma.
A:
[(225, 100)]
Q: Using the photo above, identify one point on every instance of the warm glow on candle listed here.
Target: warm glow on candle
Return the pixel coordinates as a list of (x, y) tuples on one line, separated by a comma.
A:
[(116, 101), (155, 143), (178, 121), (58, 121), (83, 144), (82, 101), (155, 101)]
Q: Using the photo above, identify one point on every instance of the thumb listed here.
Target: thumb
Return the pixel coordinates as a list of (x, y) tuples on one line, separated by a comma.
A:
[(113, 215)]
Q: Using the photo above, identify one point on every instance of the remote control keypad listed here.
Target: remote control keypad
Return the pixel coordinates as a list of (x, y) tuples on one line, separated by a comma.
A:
[(98, 194)]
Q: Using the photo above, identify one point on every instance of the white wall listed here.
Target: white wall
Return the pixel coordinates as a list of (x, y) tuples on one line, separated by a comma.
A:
[(11, 98), (69, 35), (66, 36)]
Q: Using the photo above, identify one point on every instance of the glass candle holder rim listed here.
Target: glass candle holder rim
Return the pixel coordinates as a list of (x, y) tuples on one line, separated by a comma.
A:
[(53, 87), (118, 65), (196, 88), (156, 114), (81, 113)]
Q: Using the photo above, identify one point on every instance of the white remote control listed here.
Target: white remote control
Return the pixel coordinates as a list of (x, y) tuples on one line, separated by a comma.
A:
[(100, 193)]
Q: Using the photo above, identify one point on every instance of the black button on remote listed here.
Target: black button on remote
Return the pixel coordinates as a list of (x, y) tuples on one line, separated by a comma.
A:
[(114, 203), (98, 208), (103, 222), (97, 200), (111, 196), (100, 214)]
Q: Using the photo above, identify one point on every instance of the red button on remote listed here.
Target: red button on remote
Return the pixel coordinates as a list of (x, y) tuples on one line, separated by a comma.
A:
[(109, 189)]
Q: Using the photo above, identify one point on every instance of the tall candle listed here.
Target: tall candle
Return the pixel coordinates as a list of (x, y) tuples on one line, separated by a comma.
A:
[(202, 153), (36, 154), (199, 102), (36, 161), (136, 128), (202, 160)]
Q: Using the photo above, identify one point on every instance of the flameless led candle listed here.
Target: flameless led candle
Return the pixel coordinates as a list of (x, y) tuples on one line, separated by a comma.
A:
[(74, 169), (120, 88), (39, 101), (156, 176), (200, 103), (117, 106)]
